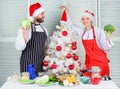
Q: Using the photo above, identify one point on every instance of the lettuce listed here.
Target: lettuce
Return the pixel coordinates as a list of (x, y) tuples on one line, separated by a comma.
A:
[(42, 80), (25, 23)]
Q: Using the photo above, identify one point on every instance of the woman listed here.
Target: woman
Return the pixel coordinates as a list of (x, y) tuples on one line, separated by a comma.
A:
[(95, 43)]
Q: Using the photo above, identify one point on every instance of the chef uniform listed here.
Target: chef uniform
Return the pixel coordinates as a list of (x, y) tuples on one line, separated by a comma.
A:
[(95, 45), (33, 51)]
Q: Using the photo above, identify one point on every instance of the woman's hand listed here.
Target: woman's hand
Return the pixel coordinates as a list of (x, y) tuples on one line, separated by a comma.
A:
[(108, 37), (64, 8)]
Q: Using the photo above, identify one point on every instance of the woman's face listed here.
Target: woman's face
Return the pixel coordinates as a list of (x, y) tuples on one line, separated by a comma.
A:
[(86, 21)]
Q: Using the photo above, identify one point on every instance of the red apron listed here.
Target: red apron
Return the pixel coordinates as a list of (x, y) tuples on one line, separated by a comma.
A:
[(95, 56)]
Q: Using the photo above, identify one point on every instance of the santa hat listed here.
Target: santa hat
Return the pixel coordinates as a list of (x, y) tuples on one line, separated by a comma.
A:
[(34, 10), (88, 14), (64, 17)]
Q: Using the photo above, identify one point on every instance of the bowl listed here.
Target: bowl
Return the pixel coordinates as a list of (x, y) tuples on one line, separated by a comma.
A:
[(95, 81), (84, 79)]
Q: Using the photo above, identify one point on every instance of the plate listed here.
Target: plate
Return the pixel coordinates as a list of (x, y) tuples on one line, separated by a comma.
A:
[(27, 81), (46, 84)]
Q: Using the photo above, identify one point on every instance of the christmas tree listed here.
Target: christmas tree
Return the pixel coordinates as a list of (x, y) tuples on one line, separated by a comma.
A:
[(61, 54)]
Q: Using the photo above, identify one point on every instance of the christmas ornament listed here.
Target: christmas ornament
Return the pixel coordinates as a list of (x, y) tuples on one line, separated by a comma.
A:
[(25, 23), (62, 57), (74, 47), (58, 48), (48, 56), (71, 67), (74, 43), (62, 27), (45, 63), (69, 45), (78, 70), (64, 33), (75, 57), (68, 55), (79, 64), (54, 66)]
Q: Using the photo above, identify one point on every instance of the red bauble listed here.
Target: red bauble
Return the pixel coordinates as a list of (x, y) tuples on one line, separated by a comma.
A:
[(45, 63), (68, 55), (75, 57), (54, 66), (74, 47), (58, 48), (74, 43), (71, 67), (64, 33)]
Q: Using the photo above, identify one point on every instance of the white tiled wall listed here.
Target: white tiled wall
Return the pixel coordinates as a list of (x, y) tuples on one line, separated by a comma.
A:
[(109, 14)]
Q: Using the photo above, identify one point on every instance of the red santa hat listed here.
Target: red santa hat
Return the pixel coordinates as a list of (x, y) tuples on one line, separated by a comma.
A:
[(34, 10), (89, 15), (64, 17)]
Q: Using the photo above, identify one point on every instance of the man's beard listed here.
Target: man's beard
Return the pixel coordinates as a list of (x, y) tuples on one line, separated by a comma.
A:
[(40, 20)]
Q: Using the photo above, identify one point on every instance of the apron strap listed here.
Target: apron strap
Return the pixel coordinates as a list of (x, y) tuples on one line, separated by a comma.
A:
[(43, 29), (83, 33), (92, 31), (33, 27)]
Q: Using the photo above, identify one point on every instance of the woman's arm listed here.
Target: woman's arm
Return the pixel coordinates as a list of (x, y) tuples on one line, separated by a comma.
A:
[(77, 30), (105, 43)]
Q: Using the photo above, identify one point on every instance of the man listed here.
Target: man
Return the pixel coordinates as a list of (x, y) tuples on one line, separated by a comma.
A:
[(32, 41)]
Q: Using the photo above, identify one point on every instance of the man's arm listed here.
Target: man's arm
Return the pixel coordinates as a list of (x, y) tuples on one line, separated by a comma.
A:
[(23, 36)]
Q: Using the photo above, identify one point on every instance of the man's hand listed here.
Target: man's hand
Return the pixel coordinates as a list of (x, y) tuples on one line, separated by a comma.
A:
[(25, 31)]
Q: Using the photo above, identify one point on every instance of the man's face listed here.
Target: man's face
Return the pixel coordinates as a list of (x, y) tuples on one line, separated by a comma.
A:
[(40, 17)]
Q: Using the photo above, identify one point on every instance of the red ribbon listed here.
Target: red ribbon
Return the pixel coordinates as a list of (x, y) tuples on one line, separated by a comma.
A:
[(89, 12)]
